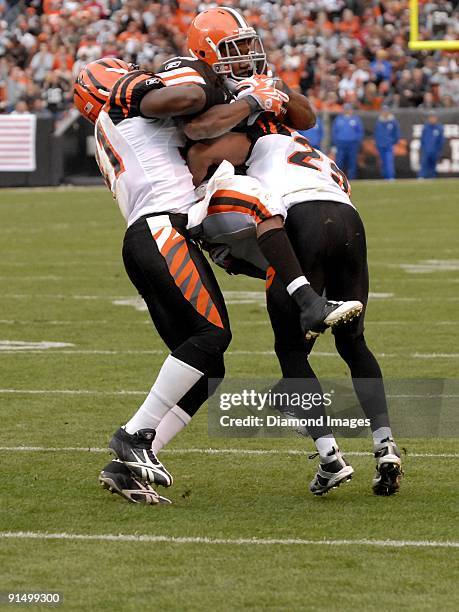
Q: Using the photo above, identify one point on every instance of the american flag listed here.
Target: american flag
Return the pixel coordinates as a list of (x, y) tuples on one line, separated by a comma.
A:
[(17, 143)]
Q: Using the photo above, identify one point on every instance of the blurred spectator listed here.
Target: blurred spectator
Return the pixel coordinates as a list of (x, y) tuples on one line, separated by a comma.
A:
[(381, 67), (449, 87), (387, 135), (21, 108), (432, 139), (315, 134), (16, 85), (347, 136), (53, 93), (40, 109), (41, 63), (428, 101), (336, 51)]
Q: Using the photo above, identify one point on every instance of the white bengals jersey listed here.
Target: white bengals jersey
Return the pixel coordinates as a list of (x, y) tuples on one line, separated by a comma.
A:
[(142, 165), (285, 163), (140, 157)]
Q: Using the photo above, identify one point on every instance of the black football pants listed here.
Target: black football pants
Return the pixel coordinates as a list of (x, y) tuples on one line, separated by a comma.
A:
[(329, 241), (183, 298)]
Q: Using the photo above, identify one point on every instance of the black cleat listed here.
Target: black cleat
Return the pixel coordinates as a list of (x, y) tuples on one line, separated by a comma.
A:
[(332, 472), (323, 314), (134, 450), (117, 478), (388, 468)]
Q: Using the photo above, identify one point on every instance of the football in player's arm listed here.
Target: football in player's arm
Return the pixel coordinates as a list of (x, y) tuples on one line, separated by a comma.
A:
[(255, 94)]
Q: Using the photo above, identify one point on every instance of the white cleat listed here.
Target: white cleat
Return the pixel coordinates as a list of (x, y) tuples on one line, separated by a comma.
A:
[(335, 313), (388, 468), (331, 473)]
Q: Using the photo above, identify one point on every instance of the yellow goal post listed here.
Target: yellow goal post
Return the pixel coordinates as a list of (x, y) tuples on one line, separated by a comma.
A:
[(426, 45)]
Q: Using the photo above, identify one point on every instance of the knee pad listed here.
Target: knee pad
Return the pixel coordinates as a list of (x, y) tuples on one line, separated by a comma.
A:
[(213, 340)]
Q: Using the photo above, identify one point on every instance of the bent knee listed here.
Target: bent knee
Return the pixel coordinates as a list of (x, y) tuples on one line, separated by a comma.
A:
[(213, 340)]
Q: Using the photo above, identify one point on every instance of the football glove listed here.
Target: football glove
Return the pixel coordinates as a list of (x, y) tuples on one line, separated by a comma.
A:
[(261, 94), (220, 255)]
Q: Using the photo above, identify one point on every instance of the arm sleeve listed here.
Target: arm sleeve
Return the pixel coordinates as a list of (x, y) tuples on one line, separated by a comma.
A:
[(127, 93), (141, 89), (185, 71)]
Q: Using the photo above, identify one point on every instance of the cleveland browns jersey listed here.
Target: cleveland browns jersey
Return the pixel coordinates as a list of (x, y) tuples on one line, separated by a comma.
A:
[(186, 70), (284, 162), (140, 157)]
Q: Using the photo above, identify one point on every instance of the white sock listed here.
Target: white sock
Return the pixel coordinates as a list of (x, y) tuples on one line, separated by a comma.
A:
[(325, 444), (381, 434), (174, 380), (171, 424), (296, 284)]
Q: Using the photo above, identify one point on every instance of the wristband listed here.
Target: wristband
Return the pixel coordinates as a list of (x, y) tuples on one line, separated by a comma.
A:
[(252, 102)]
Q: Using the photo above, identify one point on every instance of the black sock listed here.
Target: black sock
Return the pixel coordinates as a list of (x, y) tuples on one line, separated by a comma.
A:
[(276, 247)]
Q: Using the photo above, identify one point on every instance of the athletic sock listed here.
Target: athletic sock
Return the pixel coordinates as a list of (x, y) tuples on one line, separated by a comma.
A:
[(171, 424), (325, 445), (174, 380), (276, 247), (380, 434)]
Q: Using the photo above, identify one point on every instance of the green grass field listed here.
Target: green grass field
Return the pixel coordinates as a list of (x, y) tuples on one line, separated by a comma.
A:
[(61, 277)]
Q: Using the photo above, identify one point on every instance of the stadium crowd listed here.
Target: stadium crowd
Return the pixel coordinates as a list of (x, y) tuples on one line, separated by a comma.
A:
[(335, 51)]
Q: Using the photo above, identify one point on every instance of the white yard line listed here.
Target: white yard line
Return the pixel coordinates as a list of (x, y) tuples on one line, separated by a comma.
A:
[(7, 351), (256, 297), (70, 392), (135, 392), (208, 451), (75, 323), (167, 539), (242, 323), (83, 352), (435, 355)]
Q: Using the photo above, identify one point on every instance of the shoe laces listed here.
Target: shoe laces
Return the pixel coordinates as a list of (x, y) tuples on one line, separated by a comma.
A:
[(388, 446), (334, 451)]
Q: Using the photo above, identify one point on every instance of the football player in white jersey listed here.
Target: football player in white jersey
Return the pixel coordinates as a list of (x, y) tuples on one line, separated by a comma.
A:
[(221, 38), (329, 240), (138, 153)]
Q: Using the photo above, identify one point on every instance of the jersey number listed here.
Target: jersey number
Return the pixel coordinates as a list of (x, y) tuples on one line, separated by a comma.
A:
[(306, 158), (115, 161), (303, 159)]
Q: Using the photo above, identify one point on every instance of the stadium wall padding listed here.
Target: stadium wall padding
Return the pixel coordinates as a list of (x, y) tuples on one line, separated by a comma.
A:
[(70, 158), (80, 164)]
